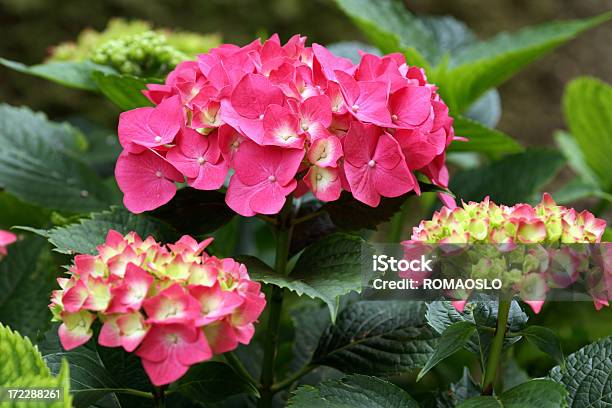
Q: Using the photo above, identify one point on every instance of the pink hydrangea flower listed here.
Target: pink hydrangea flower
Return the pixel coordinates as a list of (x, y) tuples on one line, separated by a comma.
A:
[(547, 223), (167, 304), (6, 239), (293, 99)]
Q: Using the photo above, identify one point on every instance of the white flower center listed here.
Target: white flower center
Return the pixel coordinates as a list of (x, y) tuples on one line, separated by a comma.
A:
[(355, 107), (201, 160), (158, 139), (372, 163), (159, 174), (271, 179)]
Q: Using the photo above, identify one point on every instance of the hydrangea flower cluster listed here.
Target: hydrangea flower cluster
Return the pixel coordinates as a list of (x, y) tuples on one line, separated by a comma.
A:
[(6, 238), (284, 119), (172, 305), (527, 238)]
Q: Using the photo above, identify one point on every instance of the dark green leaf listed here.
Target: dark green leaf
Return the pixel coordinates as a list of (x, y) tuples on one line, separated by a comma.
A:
[(465, 388), (90, 380), (483, 313), (487, 64), (70, 74), (482, 139), (532, 394), (377, 338), (326, 270), (207, 211), (15, 212), (212, 382), (355, 391), (453, 339), (125, 91), (515, 178), (587, 105), (27, 277), (35, 167), (587, 376), (546, 340), (351, 215), (308, 324), (83, 237)]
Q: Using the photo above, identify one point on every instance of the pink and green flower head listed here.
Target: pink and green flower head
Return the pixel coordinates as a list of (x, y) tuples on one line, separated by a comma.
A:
[(166, 303), (507, 228)]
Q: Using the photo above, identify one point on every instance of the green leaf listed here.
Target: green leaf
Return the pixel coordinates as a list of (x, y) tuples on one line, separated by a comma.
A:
[(212, 382), (351, 215), (27, 277), (35, 167), (207, 211), (23, 367), (355, 391), (532, 394), (326, 270), (546, 340), (16, 212), (587, 375), (487, 64), (577, 189), (309, 323), (482, 139), (20, 358), (391, 28), (453, 339), (91, 380), (84, 236), (587, 105), (377, 338), (125, 91), (465, 388), (482, 313), (449, 35), (575, 158), (513, 179), (71, 74)]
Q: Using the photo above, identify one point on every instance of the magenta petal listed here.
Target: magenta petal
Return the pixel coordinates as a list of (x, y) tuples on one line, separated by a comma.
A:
[(146, 180)]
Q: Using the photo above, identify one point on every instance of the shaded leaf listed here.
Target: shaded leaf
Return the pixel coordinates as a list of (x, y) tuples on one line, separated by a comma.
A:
[(207, 211), (531, 394), (546, 340), (356, 391), (587, 376), (377, 338), (35, 167), (84, 236), (513, 179), (212, 382), (452, 339)]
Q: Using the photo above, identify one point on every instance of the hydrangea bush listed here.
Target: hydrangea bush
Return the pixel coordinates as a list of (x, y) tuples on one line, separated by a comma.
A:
[(291, 155)]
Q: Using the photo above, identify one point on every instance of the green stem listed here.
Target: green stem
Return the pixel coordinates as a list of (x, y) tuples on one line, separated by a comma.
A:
[(239, 368), (284, 228), (159, 397), (293, 378), (495, 351)]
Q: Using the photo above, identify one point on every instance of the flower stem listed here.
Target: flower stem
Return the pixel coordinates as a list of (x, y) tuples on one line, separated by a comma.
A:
[(284, 230), (239, 368), (159, 397), (495, 351), (293, 378)]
